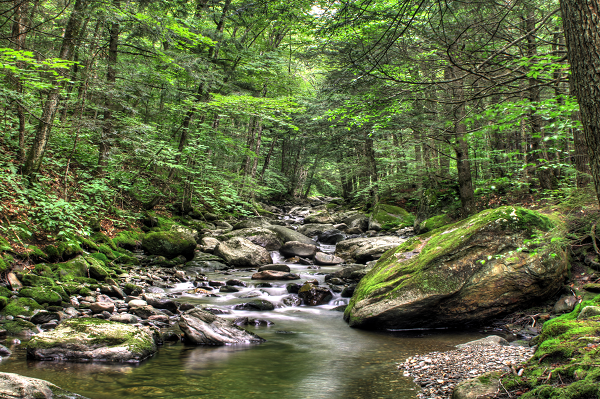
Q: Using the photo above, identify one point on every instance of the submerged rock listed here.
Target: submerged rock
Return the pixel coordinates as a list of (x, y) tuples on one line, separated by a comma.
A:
[(15, 386), (204, 328), (92, 339), (274, 275), (474, 270), (240, 252)]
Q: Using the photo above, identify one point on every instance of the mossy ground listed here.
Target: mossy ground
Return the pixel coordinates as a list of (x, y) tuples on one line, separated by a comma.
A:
[(566, 364), (390, 216), (401, 268)]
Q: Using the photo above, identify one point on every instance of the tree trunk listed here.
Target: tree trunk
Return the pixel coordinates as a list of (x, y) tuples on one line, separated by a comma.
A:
[(580, 22), (111, 77), (36, 153), (268, 159), (19, 35), (370, 153)]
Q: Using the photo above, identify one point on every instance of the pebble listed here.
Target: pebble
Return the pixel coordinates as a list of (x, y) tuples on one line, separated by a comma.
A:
[(438, 372)]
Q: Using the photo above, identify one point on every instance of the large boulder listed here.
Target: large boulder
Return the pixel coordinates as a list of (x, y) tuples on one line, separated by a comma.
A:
[(252, 223), (358, 220), (206, 261), (314, 229), (319, 217), (434, 222), (240, 252), (274, 275), (15, 386), (92, 339), (485, 266), (169, 244), (314, 295), (385, 217), (257, 235), (296, 248), (363, 250), (203, 328), (331, 237), (324, 259), (286, 235)]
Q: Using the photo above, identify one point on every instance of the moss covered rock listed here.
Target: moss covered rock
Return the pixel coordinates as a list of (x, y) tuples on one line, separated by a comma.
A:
[(169, 244), (128, 239), (434, 222), (92, 339), (67, 271), (489, 264), (18, 327), (20, 306), (386, 217), (41, 295), (63, 250)]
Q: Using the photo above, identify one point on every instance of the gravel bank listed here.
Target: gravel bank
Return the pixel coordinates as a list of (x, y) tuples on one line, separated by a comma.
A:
[(438, 372)]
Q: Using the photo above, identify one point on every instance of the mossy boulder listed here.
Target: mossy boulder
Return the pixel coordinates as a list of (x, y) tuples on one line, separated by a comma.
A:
[(128, 239), (5, 292), (169, 244), (96, 269), (3, 265), (92, 339), (33, 280), (3, 302), (63, 250), (20, 307), (41, 295), (434, 222), (490, 264), (386, 217), (319, 217), (18, 327), (68, 271)]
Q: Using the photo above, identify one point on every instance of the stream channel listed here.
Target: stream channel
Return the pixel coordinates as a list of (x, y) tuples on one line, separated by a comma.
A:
[(310, 352)]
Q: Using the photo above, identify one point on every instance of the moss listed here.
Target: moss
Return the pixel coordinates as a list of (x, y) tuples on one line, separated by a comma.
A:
[(390, 216), (96, 269), (4, 245), (85, 280), (33, 280), (126, 259), (104, 239), (169, 244), (88, 243), (128, 239), (5, 292), (20, 306), (105, 249), (399, 269), (435, 222), (68, 271), (100, 257), (33, 251), (16, 326), (72, 288), (3, 266), (41, 295), (45, 270), (63, 250), (3, 302), (84, 291)]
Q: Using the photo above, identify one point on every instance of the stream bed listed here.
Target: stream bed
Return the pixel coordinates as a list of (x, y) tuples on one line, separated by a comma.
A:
[(310, 352)]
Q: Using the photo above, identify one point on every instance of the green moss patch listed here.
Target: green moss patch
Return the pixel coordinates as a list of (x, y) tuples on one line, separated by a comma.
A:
[(4, 245), (20, 306), (41, 295), (390, 216), (63, 250), (128, 239)]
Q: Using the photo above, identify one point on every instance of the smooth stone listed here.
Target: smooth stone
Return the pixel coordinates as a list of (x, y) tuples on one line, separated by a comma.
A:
[(203, 328), (274, 275), (15, 386), (276, 267), (487, 341), (257, 304), (99, 307), (326, 259)]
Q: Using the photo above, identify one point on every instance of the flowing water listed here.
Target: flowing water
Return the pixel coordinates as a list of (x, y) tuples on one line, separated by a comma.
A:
[(310, 353)]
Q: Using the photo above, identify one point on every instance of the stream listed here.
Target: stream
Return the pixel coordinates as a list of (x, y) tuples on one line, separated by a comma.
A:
[(310, 352)]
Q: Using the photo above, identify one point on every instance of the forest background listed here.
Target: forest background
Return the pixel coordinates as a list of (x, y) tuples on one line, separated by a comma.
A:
[(113, 108)]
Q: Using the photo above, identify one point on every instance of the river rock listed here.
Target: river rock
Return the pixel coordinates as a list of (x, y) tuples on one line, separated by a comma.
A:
[(331, 237), (357, 220), (314, 295), (293, 288), (169, 244), (291, 300), (256, 304), (277, 267), (204, 328), (208, 244), (15, 386), (206, 261), (274, 275), (92, 339), (44, 317), (159, 302), (99, 307), (483, 386), (296, 248), (314, 229), (240, 252), (565, 304), (229, 288), (460, 276), (257, 235), (349, 272), (286, 235), (327, 259), (252, 223), (124, 318), (236, 282), (319, 217), (487, 341), (363, 250)]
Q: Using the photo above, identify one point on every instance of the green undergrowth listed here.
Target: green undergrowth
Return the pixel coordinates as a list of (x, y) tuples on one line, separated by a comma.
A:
[(402, 269), (391, 216), (566, 363)]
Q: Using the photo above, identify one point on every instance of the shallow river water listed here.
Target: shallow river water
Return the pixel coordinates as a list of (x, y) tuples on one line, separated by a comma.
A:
[(310, 352)]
